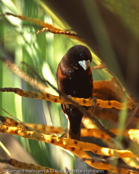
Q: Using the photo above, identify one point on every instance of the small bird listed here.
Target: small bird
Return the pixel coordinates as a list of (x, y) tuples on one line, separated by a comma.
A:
[(74, 78)]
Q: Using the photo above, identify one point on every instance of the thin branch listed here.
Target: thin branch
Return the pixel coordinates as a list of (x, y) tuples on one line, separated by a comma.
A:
[(27, 78), (69, 100), (29, 168), (46, 26), (65, 142), (76, 147), (130, 133)]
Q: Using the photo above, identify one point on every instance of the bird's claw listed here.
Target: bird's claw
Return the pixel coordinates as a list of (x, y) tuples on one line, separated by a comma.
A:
[(64, 134)]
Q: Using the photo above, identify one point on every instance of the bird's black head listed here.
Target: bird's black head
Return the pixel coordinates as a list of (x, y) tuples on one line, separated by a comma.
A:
[(79, 55)]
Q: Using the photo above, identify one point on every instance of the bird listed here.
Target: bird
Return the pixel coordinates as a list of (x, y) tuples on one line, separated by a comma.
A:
[(74, 78)]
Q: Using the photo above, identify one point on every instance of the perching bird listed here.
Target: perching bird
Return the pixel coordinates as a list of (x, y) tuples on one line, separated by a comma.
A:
[(74, 78)]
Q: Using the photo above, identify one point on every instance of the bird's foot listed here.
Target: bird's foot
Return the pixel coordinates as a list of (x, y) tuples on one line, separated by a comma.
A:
[(95, 101), (67, 105)]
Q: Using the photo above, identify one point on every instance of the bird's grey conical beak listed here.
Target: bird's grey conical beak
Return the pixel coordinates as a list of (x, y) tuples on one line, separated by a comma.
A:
[(84, 64)]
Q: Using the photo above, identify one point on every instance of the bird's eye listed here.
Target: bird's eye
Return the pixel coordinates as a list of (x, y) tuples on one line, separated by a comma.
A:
[(81, 54)]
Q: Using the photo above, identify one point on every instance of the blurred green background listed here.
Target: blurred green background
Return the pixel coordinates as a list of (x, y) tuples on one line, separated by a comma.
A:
[(19, 42), (43, 52)]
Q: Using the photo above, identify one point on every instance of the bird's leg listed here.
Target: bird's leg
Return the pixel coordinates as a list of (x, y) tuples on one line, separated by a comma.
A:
[(67, 105), (95, 101)]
